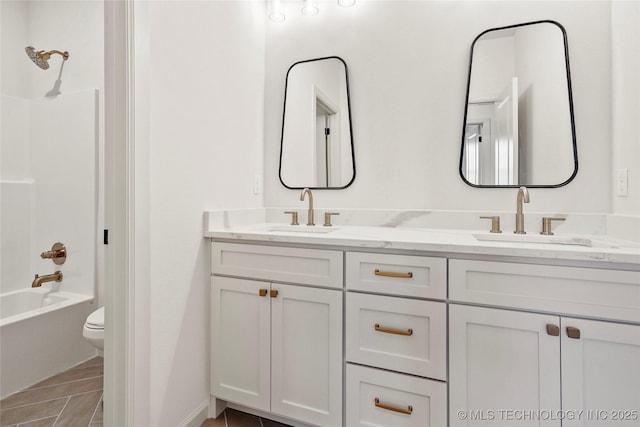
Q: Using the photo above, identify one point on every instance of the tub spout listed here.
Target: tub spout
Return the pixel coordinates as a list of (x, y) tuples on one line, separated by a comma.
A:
[(39, 280)]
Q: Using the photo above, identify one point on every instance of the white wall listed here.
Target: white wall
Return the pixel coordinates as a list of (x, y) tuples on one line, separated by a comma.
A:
[(408, 64), (205, 100), (625, 24)]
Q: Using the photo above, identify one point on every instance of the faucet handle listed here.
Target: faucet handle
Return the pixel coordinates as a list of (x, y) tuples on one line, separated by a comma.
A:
[(57, 254), (546, 225), (327, 218), (495, 223), (294, 217)]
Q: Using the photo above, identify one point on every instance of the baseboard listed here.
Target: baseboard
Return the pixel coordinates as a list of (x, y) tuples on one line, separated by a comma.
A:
[(197, 417)]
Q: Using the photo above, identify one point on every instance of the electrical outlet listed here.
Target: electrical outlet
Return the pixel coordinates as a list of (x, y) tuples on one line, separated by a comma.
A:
[(622, 182), (257, 184)]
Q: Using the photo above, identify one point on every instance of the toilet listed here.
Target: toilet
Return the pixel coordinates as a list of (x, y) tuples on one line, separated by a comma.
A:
[(93, 330)]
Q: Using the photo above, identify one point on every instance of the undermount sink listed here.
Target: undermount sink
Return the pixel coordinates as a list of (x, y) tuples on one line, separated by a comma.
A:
[(302, 228), (542, 239)]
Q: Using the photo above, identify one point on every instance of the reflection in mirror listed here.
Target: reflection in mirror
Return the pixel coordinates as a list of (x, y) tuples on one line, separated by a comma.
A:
[(519, 127), (317, 145)]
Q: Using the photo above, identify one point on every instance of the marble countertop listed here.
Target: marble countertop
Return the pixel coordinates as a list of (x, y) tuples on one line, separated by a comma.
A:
[(561, 246)]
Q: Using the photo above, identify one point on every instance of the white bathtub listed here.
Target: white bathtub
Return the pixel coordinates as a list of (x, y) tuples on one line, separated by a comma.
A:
[(40, 335)]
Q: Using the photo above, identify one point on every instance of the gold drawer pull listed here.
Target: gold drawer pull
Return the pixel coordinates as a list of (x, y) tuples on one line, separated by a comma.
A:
[(553, 330), (273, 293), (263, 292), (393, 408), (408, 275), (379, 328), (573, 332)]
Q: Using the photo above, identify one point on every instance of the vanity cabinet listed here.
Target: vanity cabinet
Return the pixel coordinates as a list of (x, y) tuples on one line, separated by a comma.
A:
[(395, 340), (511, 367), (277, 347), (428, 341)]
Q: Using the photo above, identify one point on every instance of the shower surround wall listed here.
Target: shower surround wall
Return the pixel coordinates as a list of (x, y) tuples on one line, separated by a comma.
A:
[(48, 189), (51, 139)]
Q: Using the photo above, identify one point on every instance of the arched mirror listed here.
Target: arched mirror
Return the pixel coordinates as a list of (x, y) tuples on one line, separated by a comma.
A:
[(519, 126), (317, 145)]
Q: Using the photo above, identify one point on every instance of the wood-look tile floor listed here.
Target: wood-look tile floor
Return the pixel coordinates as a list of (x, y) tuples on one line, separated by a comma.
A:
[(70, 399), (233, 418), (73, 398)]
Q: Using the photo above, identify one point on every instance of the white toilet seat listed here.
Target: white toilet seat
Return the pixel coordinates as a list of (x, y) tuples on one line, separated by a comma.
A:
[(93, 329), (96, 319)]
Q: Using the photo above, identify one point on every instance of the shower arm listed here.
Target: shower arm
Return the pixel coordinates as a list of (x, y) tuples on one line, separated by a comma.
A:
[(65, 54)]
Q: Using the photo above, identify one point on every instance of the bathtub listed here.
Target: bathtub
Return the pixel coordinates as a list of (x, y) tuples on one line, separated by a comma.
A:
[(40, 335)]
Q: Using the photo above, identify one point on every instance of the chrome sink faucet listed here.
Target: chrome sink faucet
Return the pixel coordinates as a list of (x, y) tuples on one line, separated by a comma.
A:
[(523, 196), (310, 212)]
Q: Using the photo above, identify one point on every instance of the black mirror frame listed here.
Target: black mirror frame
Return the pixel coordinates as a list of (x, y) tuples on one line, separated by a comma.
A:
[(573, 126), (284, 112)]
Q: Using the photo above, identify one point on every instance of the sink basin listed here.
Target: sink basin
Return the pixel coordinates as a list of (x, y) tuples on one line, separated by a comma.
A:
[(542, 239), (318, 229)]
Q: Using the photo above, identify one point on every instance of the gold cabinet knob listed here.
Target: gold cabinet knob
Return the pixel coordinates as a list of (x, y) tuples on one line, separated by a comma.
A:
[(553, 330), (573, 332)]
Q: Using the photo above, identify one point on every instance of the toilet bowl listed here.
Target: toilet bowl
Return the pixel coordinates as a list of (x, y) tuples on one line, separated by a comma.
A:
[(93, 330)]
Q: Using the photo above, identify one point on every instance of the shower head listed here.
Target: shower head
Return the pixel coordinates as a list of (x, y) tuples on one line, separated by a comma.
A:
[(41, 58)]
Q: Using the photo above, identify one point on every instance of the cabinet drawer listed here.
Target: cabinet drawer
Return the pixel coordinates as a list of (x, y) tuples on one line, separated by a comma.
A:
[(399, 334), (294, 265), (382, 398), (414, 276), (567, 290)]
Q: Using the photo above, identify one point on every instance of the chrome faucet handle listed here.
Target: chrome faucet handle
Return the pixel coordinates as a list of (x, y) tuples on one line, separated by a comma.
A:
[(327, 218), (294, 217), (495, 223), (546, 225)]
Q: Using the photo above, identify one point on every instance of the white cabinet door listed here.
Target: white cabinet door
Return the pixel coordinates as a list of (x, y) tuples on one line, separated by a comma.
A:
[(601, 373), (240, 341), (306, 354), (502, 362)]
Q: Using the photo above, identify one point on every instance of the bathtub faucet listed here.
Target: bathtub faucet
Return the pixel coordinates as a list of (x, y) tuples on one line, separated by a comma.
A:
[(39, 280)]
